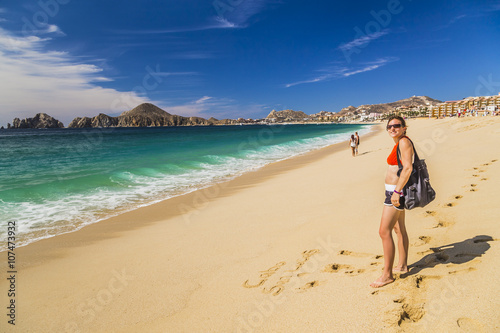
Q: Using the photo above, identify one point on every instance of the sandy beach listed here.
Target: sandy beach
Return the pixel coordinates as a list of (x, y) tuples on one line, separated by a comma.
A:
[(291, 247)]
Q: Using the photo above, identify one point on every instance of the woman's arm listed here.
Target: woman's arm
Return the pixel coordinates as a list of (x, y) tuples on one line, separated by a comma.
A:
[(406, 150)]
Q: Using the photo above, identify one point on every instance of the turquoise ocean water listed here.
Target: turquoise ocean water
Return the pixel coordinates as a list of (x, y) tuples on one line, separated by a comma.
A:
[(57, 181)]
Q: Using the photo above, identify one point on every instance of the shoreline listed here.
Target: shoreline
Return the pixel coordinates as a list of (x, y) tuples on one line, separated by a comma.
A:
[(293, 249), (185, 198), (200, 125)]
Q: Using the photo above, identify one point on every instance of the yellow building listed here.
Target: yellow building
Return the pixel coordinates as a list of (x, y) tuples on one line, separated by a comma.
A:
[(481, 104)]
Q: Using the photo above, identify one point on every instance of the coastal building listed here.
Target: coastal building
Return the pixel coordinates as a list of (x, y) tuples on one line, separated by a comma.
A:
[(324, 116), (375, 115), (479, 105), (412, 110)]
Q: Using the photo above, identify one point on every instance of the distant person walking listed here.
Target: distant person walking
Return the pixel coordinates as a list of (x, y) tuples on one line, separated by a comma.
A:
[(353, 145), (393, 214), (357, 142)]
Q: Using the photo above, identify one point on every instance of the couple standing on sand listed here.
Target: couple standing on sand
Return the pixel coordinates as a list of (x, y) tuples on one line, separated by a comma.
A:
[(354, 143)]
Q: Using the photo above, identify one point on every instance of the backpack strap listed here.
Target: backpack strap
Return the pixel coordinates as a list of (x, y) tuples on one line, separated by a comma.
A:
[(400, 166)]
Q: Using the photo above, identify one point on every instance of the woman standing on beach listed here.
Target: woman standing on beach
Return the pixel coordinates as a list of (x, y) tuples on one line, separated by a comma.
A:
[(393, 215)]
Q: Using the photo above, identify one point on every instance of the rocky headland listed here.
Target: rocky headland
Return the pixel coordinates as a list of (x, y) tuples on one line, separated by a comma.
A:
[(287, 115), (145, 115), (149, 115), (41, 120)]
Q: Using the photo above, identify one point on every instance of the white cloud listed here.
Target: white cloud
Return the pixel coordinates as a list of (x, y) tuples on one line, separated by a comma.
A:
[(37, 80), (229, 15), (52, 28), (365, 68), (219, 108), (342, 71), (363, 40), (316, 79), (238, 15), (175, 73), (203, 99), (196, 108), (224, 23), (451, 22), (215, 23)]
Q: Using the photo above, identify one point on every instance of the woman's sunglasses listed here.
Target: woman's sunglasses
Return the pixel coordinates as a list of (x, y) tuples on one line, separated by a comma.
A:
[(393, 126)]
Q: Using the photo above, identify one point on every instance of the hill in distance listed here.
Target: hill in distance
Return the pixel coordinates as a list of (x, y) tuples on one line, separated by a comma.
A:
[(389, 107), (149, 115)]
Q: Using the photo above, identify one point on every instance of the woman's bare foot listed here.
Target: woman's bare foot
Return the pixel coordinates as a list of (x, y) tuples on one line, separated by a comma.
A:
[(400, 269), (381, 281)]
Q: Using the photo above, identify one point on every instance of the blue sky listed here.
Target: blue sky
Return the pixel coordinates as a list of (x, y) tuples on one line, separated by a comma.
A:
[(240, 58)]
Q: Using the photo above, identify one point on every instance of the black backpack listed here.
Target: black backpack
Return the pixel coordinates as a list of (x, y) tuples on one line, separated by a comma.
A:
[(417, 191)]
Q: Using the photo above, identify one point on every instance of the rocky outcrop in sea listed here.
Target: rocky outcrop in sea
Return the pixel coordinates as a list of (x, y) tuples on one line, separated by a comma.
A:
[(145, 115), (41, 120)]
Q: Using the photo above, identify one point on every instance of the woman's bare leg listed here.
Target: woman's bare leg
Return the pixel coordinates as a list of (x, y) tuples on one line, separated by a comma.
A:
[(390, 216), (403, 244)]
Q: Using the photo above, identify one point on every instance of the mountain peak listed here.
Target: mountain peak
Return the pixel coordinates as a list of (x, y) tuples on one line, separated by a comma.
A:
[(145, 109)]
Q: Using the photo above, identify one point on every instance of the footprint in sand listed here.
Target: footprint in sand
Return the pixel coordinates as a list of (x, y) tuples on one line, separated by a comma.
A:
[(450, 204), (440, 257), (443, 224), (458, 197), (308, 286), (424, 253), (419, 280), (354, 254), (493, 161), (355, 272), (406, 312), (410, 307), (469, 325), (484, 178), (334, 268), (422, 240), (430, 213), (470, 269)]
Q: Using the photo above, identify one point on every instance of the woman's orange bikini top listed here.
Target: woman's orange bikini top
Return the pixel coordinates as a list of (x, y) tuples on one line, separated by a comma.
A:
[(392, 159)]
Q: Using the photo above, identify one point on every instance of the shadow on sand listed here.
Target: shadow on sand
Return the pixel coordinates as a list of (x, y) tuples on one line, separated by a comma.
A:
[(456, 253)]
